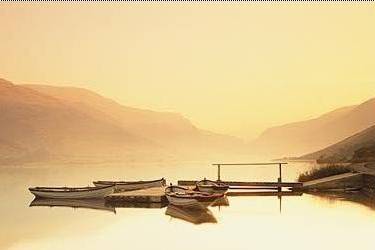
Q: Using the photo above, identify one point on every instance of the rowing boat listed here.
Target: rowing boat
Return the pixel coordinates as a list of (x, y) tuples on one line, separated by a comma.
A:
[(181, 196), (71, 193), (121, 186), (211, 186)]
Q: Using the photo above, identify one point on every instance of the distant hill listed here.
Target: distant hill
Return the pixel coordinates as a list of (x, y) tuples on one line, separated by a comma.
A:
[(166, 129), (35, 126), (358, 147), (41, 122), (307, 136)]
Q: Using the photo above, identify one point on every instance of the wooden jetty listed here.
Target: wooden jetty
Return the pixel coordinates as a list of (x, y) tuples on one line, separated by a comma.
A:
[(149, 195), (278, 185), (157, 194)]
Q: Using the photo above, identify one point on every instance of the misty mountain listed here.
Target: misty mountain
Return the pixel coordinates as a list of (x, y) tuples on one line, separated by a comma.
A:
[(37, 126), (307, 136), (41, 122), (353, 148), (167, 129)]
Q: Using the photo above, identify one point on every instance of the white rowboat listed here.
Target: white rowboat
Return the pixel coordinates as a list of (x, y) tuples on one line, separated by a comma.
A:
[(121, 186), (72, 193)]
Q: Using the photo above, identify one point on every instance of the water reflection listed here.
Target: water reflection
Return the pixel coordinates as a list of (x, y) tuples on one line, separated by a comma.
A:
[(221, 202), (197, 214), (355, 197), (97, 204), (279, 195), (124, 204)]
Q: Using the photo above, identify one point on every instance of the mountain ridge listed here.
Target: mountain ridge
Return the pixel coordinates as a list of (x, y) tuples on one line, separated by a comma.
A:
[(42, 122), (307, 136), (345, 149)]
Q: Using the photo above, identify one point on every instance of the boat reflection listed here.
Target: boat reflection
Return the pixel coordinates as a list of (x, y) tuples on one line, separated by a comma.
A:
[(196, 214), (223, 201), (97, 204)]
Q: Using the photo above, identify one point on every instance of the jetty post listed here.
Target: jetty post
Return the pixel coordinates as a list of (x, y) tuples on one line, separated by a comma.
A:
[(218, 172), (279, 179)]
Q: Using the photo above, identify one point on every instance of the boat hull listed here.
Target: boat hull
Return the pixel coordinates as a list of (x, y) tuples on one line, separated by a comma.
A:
[(129, 186), (212, 187), (181, 196), (80, 194), (181, 201)]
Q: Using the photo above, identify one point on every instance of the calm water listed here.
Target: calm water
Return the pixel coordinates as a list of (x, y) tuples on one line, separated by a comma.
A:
[(304, 222)]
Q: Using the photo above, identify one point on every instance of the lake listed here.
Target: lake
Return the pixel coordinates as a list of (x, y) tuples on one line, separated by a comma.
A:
[(259, 222)]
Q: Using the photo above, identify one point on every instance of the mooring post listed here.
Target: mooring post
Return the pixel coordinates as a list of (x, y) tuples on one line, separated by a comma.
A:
[(279, 179), (218, 172)]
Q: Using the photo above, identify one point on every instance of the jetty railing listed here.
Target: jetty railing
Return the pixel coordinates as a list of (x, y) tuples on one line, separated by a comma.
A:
[(279, 164), (278, 185), (250, 164)]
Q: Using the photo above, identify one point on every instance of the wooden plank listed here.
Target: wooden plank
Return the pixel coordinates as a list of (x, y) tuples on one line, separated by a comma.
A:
[(247, 183), (149, 195), (127, 204), (253, 188), (283, 193)]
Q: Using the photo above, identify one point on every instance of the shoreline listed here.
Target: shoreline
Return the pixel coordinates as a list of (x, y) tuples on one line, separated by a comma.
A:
[(362, 182)]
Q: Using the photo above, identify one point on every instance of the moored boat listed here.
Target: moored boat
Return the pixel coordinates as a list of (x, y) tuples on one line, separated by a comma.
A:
[(181, 196), (212, 186), (121, 186), (71, 193)]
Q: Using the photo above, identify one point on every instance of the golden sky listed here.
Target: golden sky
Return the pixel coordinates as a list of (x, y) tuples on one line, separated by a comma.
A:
[(234, 68)]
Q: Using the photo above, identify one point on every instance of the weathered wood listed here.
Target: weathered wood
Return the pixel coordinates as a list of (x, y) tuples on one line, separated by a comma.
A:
[(218, 172), (149, 195), (253, 188), (283, 193), (126, 204), (247, 183)]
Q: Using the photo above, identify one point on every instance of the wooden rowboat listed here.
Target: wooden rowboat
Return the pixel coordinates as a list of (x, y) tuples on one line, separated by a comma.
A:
[(211, 186), (121, 186), (181, 196), (71, 193)]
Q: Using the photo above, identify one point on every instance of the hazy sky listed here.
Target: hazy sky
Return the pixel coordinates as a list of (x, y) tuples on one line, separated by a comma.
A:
[(231, 68)]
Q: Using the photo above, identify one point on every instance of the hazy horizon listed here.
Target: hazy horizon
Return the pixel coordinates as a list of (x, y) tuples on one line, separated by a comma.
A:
[(132, 124), (235, 70)]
